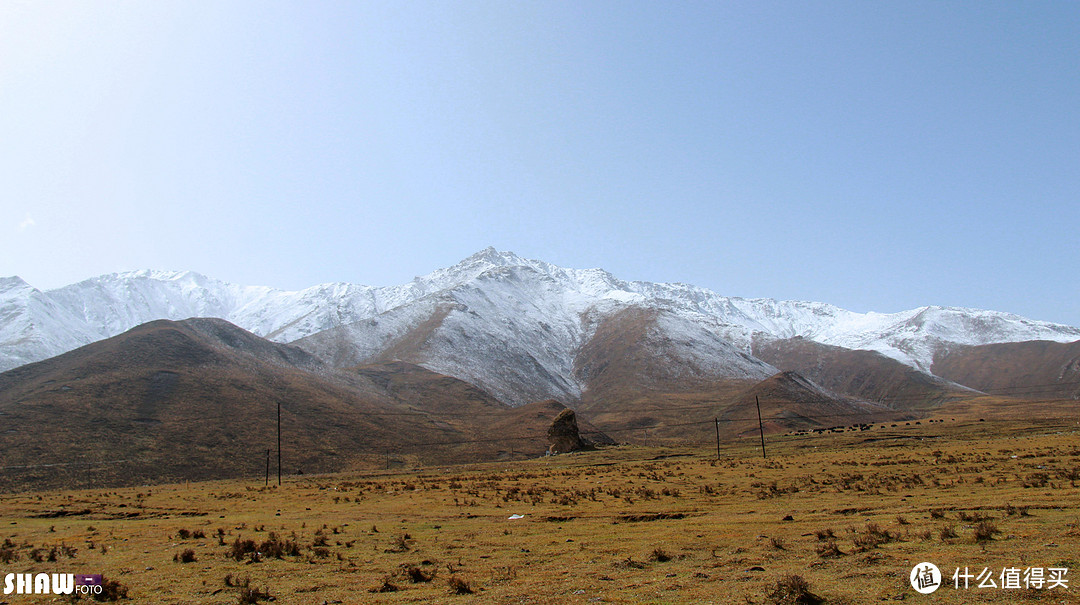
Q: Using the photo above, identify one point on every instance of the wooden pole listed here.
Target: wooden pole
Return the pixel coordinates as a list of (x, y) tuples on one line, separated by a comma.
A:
[(279, 443), (717, 438), (761, 429)]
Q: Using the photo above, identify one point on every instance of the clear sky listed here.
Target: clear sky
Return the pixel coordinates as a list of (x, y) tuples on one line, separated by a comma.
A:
[(874, 155)]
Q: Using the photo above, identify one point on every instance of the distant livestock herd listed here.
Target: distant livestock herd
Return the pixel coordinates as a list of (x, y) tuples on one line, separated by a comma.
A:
[(860, 427)]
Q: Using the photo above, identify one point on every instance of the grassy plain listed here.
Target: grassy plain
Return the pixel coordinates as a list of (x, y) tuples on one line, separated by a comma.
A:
[(851, 513)]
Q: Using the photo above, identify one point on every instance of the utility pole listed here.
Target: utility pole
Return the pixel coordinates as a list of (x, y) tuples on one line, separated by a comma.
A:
[(279, 443), (717, 420), (761, 430)]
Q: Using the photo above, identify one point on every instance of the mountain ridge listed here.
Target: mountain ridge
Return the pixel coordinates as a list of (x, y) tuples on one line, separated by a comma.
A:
[(512, 325)]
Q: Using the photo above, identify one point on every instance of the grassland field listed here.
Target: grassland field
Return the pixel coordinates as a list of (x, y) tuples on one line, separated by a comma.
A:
[(835, 518)]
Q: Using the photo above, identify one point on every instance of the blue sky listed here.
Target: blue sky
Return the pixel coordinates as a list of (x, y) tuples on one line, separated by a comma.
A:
[(874, 155)]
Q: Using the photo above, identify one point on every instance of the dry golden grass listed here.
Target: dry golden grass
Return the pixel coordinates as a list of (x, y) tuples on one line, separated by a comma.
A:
[(843, 516)]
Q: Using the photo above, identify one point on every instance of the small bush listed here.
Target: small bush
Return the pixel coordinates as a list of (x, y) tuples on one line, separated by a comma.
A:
[(185, 556), (872, 537), (659, 555), (1011, 510), (386, 586), (417, 575), (946, 533), (459, 586), (278, 548), (7, 555), (111, 590), (824, 535), (792, 589), (250, 595), (985, 530), (240, 548), (972, 517), (829, 550), (400, 544)]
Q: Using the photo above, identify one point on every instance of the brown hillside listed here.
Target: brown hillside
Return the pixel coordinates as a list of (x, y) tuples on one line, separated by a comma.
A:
[(1036, 369), (791, 402), (866, 375), (198, 399)]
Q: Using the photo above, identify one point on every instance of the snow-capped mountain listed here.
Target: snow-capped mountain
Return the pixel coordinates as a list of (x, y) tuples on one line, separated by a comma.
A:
[(34, 326), (512, 325)]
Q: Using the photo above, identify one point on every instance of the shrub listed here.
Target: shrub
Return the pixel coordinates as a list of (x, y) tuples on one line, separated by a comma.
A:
[(386, 586), (278, 548), (417, 575), (242, 547), (659, 555), (792, 589), (459, 586), (111, 590), (400, 544), (946, 533), (250, 595), (872, 537), (186, 556), (1011, 510), (984, 531), (829, 550)]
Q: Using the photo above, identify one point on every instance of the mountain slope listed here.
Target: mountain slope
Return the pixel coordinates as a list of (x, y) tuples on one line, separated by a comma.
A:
[(862, 374), (1036, 369), (790, 401), (198, 399)]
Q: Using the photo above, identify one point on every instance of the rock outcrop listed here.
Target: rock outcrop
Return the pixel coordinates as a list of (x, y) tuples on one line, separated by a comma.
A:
[(563, 435)]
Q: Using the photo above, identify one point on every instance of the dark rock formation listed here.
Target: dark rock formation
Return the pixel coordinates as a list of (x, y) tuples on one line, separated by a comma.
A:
[(563, 435)]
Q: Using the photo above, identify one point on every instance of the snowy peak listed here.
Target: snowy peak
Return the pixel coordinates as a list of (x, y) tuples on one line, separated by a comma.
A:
[(513, 325), (13, 284)]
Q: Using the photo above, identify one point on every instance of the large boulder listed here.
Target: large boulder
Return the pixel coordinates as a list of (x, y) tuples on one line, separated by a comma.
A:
[(563, 435)]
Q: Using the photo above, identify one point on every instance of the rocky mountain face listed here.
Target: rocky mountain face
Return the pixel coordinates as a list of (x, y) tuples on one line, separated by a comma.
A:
[(523, 330)]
